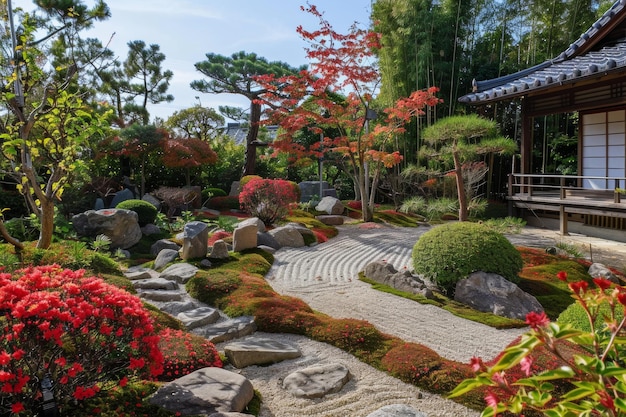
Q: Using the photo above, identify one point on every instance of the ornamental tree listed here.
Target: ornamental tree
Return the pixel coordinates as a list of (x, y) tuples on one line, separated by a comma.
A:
[(336, 95), (46, 134), (67, 336), (464, 137), (188, 154), (237, 74)]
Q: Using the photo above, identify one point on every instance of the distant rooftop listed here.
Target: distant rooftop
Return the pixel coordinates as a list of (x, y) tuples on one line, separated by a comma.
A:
[(239, 132)]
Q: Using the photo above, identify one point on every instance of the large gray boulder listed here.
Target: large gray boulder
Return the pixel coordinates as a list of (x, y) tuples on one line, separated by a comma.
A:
[(385, 273), (287, 236), (330, 205), (253, 221), (121, 226), (219, 250), (205, 391), (195, 240), (492, 293), (122, 195), (598, 270), (245, 237), (181, 272), (161, 244), (164, 257)]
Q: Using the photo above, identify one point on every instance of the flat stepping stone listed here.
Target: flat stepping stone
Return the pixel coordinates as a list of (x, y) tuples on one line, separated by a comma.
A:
[(317, 381), (229, 329), (140, 272), (181, 272), (198, 317), (155, 284), (397, 410), (176, 307), (162, 295), (256, 351), (205, 392)]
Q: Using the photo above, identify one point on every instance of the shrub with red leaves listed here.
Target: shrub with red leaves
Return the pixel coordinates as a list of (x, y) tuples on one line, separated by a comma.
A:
[(80, 333), (185, 352)]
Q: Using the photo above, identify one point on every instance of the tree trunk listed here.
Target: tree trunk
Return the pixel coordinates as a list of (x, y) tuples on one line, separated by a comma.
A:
[(460, 187), (47, 223), (253, 132)]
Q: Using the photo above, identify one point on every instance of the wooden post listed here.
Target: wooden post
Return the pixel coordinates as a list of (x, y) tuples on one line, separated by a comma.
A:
[(563, 221)]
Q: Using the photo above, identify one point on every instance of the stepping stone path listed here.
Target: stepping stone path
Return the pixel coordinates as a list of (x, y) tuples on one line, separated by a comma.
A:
[(213, 391), (217, 392)]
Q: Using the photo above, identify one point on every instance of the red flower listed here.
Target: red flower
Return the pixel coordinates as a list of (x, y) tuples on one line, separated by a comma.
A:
[(578, 287), (562, 275), (621, 297), (602, 283), (536, 320), (17, 407), (606, 400), (4, 358)]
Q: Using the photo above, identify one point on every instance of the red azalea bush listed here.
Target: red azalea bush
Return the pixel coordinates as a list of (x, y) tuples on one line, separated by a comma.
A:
[(77, 333), (268, 200), (219, 235), (185, 352)]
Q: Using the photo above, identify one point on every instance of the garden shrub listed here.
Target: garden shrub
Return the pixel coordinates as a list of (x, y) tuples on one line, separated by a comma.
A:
[(267, 199), (450, 252), (223, 203), (576, 317), (284, 314), (146, 212), (246, 179), (220, 235), (80, 332), (213, 192), (184, 353)]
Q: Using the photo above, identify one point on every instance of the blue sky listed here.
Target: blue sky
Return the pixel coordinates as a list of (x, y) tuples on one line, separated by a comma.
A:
[(188, 29)]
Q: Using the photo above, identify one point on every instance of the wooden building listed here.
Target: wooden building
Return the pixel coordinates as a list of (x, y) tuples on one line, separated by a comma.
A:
[(588, 78)]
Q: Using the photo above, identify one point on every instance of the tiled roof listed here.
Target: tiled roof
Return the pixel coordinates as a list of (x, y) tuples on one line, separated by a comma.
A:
[(239, 133), (588, 56)]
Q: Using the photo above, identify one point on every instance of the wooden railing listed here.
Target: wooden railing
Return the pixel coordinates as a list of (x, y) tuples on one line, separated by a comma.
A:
[(567, 186)]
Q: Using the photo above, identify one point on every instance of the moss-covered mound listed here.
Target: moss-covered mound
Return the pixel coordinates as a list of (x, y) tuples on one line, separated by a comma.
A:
[(450, 252)]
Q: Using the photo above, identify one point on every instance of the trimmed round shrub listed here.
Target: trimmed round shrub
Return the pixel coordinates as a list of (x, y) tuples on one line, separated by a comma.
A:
[(246, 179), (146, 212), (213, 192), (576, 316), (450, 252)]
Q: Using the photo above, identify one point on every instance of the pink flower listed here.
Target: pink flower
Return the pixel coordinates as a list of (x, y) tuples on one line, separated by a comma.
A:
[(536, 320), (526, 365), (492, 400), (477, 364)]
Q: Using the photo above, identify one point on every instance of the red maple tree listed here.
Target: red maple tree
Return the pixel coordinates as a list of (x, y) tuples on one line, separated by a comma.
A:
[(187, 153), (335, 95)]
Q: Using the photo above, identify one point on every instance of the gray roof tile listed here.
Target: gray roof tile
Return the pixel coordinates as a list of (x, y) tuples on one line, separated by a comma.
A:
[(585, 57)]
